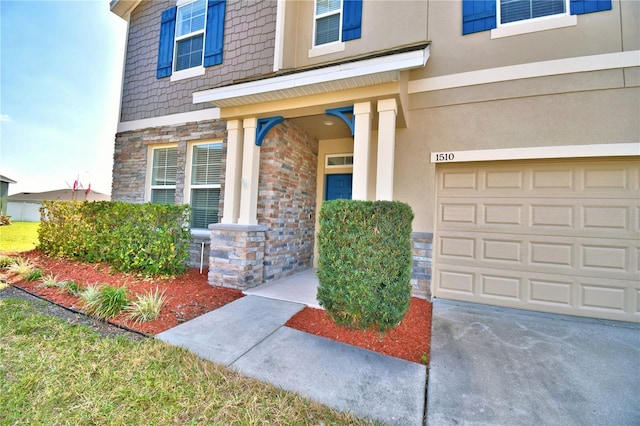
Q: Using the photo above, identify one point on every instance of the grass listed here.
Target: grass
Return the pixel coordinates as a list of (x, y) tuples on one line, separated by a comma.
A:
[(53, 372), (19, 236)]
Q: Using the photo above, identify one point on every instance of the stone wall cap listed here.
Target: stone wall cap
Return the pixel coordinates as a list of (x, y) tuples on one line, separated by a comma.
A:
[(422, 235), (237, 227)]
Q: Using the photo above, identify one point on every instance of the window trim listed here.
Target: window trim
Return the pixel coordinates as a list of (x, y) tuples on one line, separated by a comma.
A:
[(188, 166), (148, 187), (534, 25)]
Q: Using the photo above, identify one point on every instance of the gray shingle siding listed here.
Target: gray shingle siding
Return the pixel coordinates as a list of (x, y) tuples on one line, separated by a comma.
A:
[(248, 51)]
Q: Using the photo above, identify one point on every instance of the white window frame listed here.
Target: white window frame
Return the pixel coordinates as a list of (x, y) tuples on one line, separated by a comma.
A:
[(316, 17), (188, 186), (198, 69), (525, 26), (338, 166), (149, 187)]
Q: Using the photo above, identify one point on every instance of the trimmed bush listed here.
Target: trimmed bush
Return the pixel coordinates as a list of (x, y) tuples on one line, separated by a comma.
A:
[(148, 238), (364, 266)]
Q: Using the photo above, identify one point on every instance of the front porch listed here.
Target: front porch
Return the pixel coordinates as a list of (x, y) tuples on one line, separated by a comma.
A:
[(301, 287)]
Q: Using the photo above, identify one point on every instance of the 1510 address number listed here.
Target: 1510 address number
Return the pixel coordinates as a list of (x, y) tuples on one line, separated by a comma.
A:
[(444, 156)]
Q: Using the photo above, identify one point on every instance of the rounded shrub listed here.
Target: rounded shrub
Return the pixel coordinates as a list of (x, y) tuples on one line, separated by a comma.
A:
[(364, 265)]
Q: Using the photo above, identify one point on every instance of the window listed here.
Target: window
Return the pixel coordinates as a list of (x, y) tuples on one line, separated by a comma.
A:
[(191, 38), (483, 15), (328, 21), (204, 184), (519, 10), (337, 20), (190, 35), (163, 175), (339, 160)]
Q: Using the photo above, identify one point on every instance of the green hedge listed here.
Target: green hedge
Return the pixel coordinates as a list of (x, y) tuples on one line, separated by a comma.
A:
[(364, 265), (149, 238)]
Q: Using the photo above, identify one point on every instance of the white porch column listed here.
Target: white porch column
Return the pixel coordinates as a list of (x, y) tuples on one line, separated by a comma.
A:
[(250, 171), (361, 148), (233, 172), (387, 111)]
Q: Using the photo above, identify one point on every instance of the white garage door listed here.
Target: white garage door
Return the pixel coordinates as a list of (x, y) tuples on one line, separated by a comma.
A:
[(553, 236)]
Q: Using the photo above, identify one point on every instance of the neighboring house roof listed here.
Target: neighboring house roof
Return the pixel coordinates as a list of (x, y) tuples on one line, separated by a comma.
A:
[(59, 195), (6, 179)]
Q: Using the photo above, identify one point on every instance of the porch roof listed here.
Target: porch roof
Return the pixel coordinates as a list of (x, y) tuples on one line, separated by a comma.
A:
[(369, 71)]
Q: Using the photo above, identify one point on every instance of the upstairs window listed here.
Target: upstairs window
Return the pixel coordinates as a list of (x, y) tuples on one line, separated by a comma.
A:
[(328, 14), (191, 38), (204, 184), (483, 15), (336, 21), (520, 10), (164, 170), (190, 35)]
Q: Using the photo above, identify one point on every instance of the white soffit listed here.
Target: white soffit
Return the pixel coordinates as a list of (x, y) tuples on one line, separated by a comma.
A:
[(345, 76), (123, 8)]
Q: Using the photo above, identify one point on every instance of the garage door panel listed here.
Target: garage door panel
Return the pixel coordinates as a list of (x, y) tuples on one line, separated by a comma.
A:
[(557, 237), (556, 293), (598, 257), (553, 179), (456, 282), (615, 218), (501, 287), (583, 296), (552, 254), (502, 250)]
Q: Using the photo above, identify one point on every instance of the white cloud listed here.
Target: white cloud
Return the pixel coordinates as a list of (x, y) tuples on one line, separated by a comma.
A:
[(5, 117)]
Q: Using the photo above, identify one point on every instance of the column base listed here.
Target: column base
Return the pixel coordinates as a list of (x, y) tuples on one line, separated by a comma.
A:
[(236, 258)]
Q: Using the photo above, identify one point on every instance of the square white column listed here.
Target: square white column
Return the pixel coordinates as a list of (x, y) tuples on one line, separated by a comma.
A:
[(361, 148), (250, 174), (233, 173), (387, 111)]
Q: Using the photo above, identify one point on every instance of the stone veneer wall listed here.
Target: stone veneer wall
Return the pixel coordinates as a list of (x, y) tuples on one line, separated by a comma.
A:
[(287, 199), (422, 250), (130, 165)]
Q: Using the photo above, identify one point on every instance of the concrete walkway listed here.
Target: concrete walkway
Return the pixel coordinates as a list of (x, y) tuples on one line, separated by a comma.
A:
[(249, 335), (498, 366)]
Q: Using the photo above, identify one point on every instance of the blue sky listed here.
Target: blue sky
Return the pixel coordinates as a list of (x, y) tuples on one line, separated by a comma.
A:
[(60, 80)]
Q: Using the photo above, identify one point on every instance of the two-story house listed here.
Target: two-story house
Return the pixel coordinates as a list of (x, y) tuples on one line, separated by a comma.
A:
[(510, 127)]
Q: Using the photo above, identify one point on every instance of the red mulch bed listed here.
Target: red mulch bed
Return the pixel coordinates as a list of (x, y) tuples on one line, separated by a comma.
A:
[(189, 296)]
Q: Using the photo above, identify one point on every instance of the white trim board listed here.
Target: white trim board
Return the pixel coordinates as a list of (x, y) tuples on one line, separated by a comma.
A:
[(169, 120), (539, 152), (535, 69)]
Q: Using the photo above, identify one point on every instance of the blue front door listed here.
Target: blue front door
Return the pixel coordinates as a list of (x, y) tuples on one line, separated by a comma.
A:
[(338, 186)]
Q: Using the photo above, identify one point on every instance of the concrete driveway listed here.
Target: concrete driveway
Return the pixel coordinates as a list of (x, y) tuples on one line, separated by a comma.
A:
[(498, 366)]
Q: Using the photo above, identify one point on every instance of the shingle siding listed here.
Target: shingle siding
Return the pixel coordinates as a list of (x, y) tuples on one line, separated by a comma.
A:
[(249, 41)]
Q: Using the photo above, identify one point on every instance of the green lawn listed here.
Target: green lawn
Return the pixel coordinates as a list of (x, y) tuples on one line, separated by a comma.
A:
[(19, 236), (53, 372)]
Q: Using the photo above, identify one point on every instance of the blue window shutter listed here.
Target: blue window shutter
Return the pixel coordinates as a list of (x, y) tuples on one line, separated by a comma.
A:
[(478, 15), (351, 19), (214, 34), (579, 7), (165, 48)]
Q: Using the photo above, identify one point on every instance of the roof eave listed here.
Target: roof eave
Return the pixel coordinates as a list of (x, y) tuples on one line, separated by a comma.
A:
[(123, 8), (353, 74)]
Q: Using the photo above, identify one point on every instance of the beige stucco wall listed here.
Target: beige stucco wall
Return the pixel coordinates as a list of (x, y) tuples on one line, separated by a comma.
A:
[(380, 30), (595, 33), (609, 115)]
